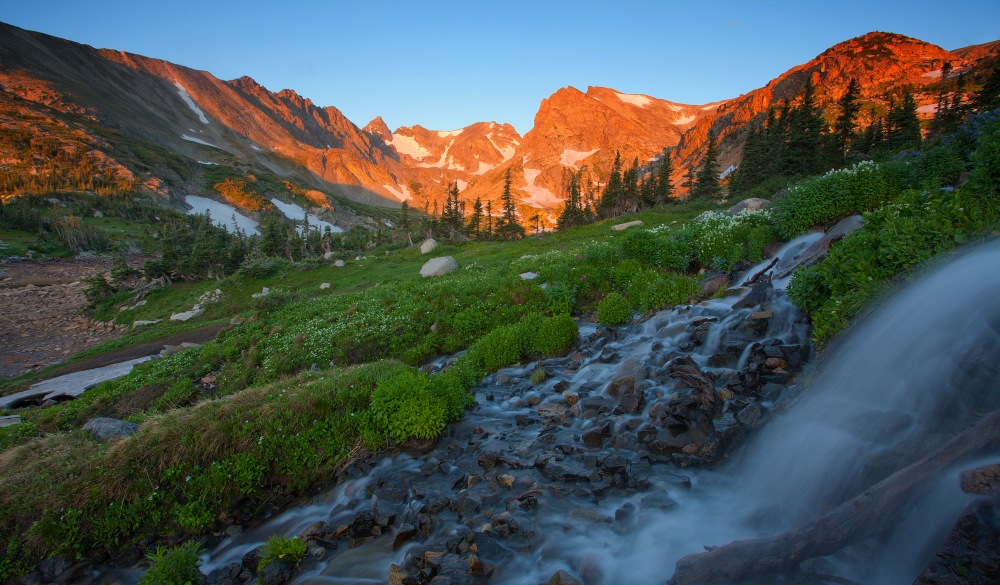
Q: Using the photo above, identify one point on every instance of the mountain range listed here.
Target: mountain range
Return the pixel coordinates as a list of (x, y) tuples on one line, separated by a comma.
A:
[(160, 126)]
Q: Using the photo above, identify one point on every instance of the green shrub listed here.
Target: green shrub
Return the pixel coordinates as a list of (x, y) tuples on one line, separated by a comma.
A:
[(836, 194), (723, 239), (676, 250), (614, 310), (666, 291), (640, 245), (281, 548), (560, 298), (548, 336), (174, 566), (260, 268)]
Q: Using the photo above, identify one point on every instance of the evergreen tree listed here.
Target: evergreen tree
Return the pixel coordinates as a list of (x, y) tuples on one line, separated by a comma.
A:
[(873, 137), (904, 125), (707, 186), (843, 127), (630, 192), (805, 135), (404, 217), (988, 96), (476, 220), (647, 195), (690, 182), (663, 190), (572, 213), (507, 227), (488, 233), (611, 198)]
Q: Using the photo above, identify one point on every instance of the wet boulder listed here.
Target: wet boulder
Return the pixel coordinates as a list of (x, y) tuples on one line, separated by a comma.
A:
[(106, 429)]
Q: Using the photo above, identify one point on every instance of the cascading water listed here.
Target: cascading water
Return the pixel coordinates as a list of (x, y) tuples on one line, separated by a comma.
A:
[(573, 474)]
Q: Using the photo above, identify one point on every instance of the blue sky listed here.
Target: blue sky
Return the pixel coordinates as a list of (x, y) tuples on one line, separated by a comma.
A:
[(445, 65)]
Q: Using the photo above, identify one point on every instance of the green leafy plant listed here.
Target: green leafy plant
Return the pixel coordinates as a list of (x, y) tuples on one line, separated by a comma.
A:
[(614, 310), (281, 548), (174, 566)]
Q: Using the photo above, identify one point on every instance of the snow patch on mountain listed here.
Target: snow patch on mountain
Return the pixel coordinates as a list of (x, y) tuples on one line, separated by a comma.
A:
[(634, 99), (224, 216), (461, 184), (296, 213), (571, 158), (681, 120), (402, 193), (447, 133), (409, 146), (190, 102), (540, 197), (506, 152), (484, 168), (928, 109), (198, 140)]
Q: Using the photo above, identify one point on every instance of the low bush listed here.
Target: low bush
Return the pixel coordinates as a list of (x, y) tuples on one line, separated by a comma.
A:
[(722, 239), (614, 310)]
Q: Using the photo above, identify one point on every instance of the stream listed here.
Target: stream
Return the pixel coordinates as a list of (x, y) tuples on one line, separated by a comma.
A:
[(616, 465)]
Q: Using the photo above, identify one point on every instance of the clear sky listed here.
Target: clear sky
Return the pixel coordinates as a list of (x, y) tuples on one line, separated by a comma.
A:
[(445, 65)]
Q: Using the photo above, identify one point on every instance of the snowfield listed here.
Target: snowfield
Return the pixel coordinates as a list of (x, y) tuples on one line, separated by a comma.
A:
[(571, 158), (190, 102), (294, 212), (224, 216), (539, 196), (409, 146), (402, 193), (634, 99), (197, 140)]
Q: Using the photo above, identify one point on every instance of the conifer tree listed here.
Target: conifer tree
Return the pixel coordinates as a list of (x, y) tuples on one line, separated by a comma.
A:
[(690, 182), (904, 125), (476, 220), (988, 96), (612, 195), (507, 227), (707, 186), (805, 135), (404, 216), (630, 192), (843, 127), (663, 190), (489, 219), (572, 213)]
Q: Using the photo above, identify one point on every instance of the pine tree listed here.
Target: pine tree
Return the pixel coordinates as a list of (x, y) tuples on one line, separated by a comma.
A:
[(663, 190), (404, 217), (572, 213), (630, 192), (988, 96), (843, 127), (904, 125), (707, 186), (647, 188), (507, 227), (690, 182), (805, 135), (611, 197), (476, 220), (489, 219)]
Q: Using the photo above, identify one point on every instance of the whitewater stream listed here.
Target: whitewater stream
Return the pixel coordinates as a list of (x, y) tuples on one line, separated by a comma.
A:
[(616, 466)]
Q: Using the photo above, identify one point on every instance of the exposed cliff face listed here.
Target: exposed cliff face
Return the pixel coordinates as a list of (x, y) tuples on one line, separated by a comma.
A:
[(577, 131), (881, 62), (195, 115)]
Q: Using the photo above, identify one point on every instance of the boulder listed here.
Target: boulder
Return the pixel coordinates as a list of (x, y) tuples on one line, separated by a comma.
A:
[(713, 283), (339, 263), (328, 256), (9, 421), (186, 315), (751, 204), (428, 246), (105, 429), (563, 578), (624, 226), (528, 275), (984, 481), (324, 286), (439, 266)]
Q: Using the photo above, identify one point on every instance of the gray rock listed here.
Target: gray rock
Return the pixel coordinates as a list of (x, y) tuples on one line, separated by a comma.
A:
[(328, 256), (105, 429), (339, 263), (528, 275), (187, 315), (428, 246), (624, 226), (751, 204), (276, 573), (439, 266), (324, 286), (752, 416)]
